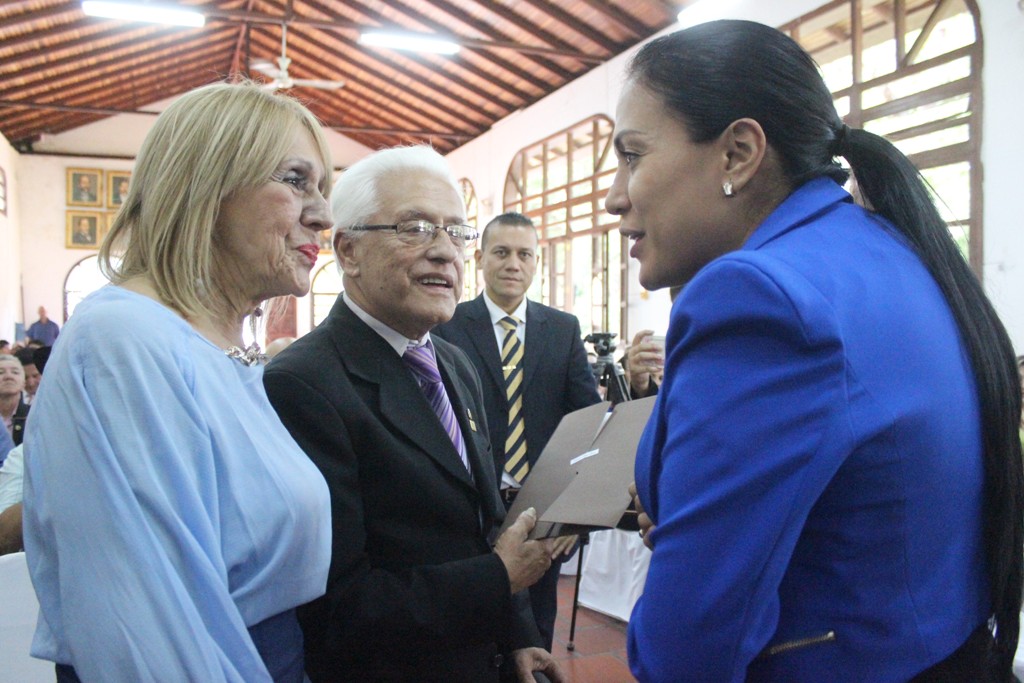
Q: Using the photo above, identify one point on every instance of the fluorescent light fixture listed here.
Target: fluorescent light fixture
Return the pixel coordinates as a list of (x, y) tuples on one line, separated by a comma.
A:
[(408, 41), (704, 10), (138, 11)]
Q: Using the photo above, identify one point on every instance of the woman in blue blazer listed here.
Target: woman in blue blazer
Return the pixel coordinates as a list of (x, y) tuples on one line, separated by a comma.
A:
[(832, 471)]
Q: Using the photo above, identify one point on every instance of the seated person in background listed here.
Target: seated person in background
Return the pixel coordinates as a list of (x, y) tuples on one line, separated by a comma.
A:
[(1020, 371), (10, 494), (12, 401), (393, 416), (645, 360), (6, 445), (10, 503), (5, 348), (171, 524), (11, 478), (32, 375)]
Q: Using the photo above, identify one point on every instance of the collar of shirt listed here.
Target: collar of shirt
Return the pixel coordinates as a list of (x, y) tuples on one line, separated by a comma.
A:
[(497, 314), (396, 340)]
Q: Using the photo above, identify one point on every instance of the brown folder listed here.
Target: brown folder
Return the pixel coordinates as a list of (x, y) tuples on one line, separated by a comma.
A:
[(579, 482)]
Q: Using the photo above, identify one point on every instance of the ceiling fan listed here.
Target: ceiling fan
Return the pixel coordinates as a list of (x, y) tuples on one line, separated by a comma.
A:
[(280, 80)]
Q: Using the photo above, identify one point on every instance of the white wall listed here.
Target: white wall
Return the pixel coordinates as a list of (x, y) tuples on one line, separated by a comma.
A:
[(1002, 157), (10, 241), (485, 160), (45, 261)]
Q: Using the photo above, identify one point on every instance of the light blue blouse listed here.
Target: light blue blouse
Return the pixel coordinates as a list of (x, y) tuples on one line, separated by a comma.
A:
[(171, 522)]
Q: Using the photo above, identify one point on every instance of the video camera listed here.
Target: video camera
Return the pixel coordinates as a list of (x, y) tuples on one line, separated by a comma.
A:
[(604, 342), (607, 371)]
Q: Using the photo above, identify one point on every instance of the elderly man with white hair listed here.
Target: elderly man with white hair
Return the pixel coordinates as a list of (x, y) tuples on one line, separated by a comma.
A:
[(393, 417)]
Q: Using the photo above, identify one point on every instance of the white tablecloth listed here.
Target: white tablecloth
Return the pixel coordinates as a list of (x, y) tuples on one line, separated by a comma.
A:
[(18, 612), (614, 570)]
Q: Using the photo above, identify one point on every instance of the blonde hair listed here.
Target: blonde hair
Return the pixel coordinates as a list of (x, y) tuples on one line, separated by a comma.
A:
[(210, 143)]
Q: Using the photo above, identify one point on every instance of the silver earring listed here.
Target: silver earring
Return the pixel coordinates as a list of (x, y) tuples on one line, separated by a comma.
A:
[(727, 188)]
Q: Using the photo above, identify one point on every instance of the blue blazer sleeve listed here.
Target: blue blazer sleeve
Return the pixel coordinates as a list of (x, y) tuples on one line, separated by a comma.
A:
[(732, 463)]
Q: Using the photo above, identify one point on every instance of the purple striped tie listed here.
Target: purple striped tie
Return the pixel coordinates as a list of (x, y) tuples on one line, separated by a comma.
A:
[(421, 361)]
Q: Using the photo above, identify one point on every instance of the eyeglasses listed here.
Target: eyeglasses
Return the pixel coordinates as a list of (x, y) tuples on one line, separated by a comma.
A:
[(422, 232)]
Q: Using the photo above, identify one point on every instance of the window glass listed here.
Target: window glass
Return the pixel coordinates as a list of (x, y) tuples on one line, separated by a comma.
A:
[(917, 82), (560, 183), (83, 279), (324, 290)]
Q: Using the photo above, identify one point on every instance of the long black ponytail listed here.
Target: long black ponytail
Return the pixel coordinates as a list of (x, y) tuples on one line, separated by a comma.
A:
[(894, 188)]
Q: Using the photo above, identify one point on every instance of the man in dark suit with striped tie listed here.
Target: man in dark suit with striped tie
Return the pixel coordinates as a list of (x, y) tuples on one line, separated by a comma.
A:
[(532, 365), (393, 417)]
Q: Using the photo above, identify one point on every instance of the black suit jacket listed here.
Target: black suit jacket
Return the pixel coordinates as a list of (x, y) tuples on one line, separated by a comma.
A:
[(557, 379), (414, 592), (18, 422)]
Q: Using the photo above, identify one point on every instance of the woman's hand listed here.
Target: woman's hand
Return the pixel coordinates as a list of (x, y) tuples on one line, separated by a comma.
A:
[(642, 519)]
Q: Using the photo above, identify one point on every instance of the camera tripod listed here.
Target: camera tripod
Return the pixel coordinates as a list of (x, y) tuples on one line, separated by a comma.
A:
[(607, 371), (609, 374)]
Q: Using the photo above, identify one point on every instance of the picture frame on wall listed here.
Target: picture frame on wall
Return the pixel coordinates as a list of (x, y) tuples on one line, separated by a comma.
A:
[(85, 187), (84, 229), (117, 188), (324, 238)]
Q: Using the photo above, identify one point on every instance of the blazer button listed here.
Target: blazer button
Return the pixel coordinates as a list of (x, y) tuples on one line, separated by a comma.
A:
[(498, 660)]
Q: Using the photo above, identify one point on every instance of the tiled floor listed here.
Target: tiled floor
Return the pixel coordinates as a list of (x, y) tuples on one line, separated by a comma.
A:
[(600, 654)]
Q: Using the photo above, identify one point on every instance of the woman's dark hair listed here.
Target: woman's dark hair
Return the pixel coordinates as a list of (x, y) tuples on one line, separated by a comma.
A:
[(715, 73)]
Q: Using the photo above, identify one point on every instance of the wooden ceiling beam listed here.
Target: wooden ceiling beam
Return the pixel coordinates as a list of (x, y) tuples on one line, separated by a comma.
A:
[(522, 23), (47, 60), (486, 96), (494, 33), (56, 32), (623, 19), (96, 91), (424, 61), (114, 111), (105, 57), (236, 57), (576, 24), (376, 66), (387, 100), (369, 130), (343, 25), (18, 20), (524, 75), (348, 98)]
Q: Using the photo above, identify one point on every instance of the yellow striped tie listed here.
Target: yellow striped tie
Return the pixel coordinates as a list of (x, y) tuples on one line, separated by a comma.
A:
[(516, 463)]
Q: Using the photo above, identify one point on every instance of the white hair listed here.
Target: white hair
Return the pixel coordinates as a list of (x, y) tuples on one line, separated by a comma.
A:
[(356, 195)]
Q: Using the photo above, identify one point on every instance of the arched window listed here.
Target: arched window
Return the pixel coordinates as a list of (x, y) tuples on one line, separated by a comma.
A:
[(560, 183), (470, 279), (83, 279), (324, 290), (3, 193), (911, 70)]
